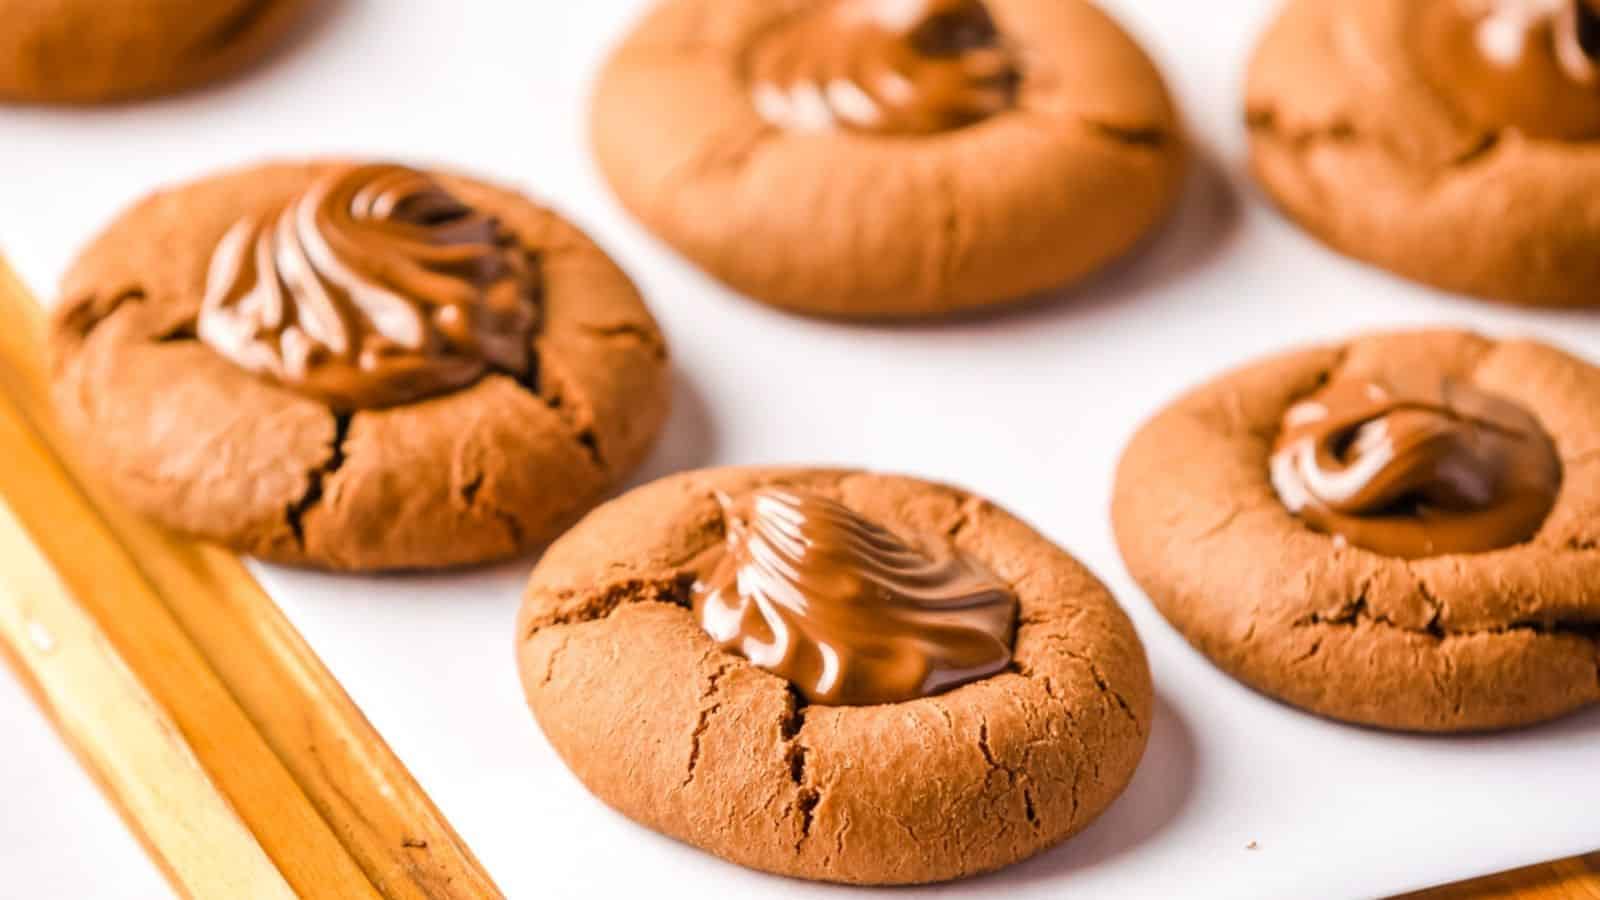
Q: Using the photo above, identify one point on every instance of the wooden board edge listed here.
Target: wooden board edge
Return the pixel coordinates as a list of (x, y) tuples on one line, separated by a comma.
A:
[(386, 824), (121, 735), (1576, 878)]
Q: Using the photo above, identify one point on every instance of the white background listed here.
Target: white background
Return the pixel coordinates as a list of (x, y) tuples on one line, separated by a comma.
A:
[(1030, 408)]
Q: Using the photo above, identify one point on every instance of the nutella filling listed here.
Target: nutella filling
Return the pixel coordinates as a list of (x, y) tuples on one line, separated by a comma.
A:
[(1528, 65), (1417, 469), (373, 288), (883, 66), (845, 611)]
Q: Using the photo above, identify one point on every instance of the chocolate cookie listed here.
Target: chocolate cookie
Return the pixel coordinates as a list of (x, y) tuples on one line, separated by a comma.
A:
[(1451, 141), (1400, 531), (850, 677), (81, 51), (356, 366), (886, 158)]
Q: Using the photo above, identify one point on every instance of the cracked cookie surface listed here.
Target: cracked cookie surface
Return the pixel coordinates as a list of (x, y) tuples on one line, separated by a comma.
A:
[(697, 743), (200, 445), (1358, 140), (1087, 161), (1446, 643), (81, 51)]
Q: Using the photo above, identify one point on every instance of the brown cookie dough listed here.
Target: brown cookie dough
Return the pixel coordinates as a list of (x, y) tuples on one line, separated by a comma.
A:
[(1035, 143), (727, 757), (82, 51), (481, 467), (1450, 141), (1441, 642)]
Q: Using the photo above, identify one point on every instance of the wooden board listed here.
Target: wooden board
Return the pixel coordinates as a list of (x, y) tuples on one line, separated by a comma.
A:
[(1569, 879), (227, 746)]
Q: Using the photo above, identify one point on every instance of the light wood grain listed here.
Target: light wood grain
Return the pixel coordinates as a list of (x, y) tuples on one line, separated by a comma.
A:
[(1568, 879), (314, 783), (133, 629), (122, 734)]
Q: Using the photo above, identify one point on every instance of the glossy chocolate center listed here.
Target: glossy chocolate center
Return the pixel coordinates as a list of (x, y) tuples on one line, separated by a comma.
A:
[(1529, 65), (848, 613), (373, 288), (1416, 469), (883, 66)]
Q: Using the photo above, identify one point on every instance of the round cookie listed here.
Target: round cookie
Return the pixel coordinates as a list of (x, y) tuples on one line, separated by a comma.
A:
[(729, 757), (1398, 637), (762, 140), (1450, 141), (79, 51), (431, 439)]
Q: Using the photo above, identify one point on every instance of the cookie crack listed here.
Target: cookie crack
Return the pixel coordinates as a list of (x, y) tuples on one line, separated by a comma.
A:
[(534, 382), (1482, 150), (734, 152), (838, 841), (707, 710), (317, 478), (1105, 687), (807, 796), (1435, 608), (1341, 358), (1311, 652), (1264, 123), (1346, 613), (1071, 733), (600, 604), (472, 497), (583, 435), (794, 718), (1358, 613), (949, 261), (84, 314), (995, 765), (805, 808), (469, 490), (552, 660), (511, 524), (1014, 778), (232, 28), (1148, 137), (591, 448), (964, 519), (629, 331), (528, 379), (1221, 525), (186, 330), (1029, 810)]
